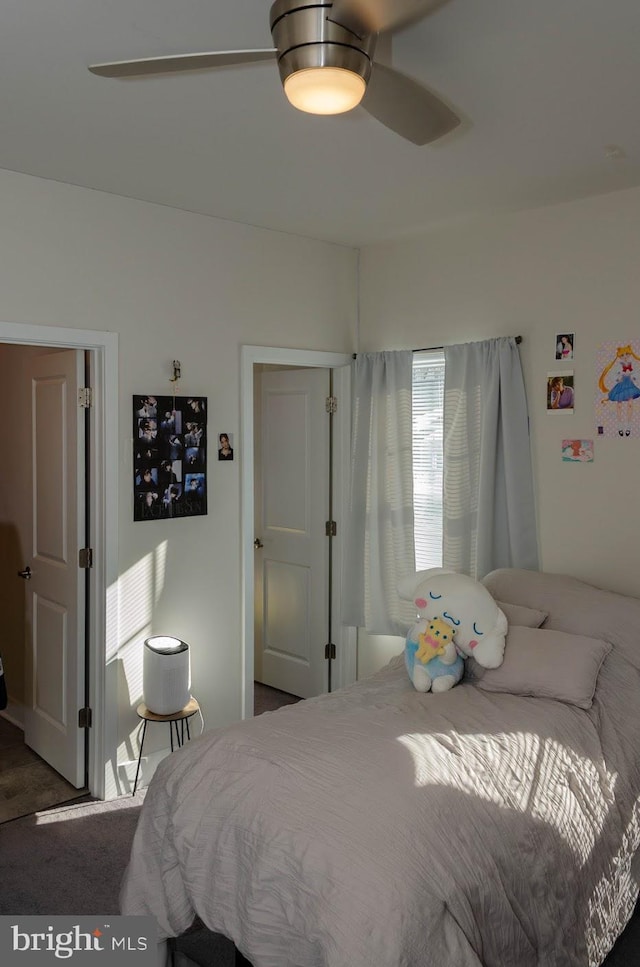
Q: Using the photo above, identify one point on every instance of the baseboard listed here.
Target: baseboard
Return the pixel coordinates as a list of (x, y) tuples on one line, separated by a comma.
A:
[(148, 765), (14, 713)]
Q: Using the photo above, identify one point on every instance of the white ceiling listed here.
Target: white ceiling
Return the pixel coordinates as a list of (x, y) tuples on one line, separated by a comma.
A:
[(544, 87)]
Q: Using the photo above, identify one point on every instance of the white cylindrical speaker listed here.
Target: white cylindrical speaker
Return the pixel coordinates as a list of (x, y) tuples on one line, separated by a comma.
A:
[(166, 674)]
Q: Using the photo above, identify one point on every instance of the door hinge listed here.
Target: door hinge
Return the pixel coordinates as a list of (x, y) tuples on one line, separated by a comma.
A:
[(331, 404), (85, 557), (85, 397), (330, 528), (84, 717), (330, 651)]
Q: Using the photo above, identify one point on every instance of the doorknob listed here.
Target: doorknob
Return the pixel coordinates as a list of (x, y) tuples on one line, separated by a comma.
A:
[(258, 544), (26, 574)]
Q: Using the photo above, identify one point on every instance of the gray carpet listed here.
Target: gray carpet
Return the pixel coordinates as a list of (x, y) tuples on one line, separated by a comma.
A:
[(27, 783), (267, 699), (68, 860)]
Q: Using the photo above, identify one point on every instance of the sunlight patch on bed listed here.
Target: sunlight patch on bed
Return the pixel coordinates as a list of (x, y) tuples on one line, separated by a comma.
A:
[(524, 772)]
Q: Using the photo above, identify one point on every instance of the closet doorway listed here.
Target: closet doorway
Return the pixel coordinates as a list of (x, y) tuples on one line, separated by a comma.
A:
[(294, 482), (293, 551)]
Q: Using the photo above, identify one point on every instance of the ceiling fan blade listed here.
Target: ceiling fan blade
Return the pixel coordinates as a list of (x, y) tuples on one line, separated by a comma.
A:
[(173, 63), (406, 107), (374, 16)]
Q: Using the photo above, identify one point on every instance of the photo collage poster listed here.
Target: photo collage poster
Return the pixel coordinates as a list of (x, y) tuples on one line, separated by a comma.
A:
[(169, 457)]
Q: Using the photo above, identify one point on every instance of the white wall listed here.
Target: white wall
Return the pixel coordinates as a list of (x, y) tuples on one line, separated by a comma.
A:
[(173, 285), (567, 268), (573, 268)]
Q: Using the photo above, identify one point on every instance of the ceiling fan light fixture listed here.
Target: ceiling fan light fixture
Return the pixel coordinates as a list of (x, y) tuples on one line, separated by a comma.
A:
[(324, 90)]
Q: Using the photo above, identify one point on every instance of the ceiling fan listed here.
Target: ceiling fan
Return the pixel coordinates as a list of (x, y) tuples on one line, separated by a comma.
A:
[(326, 57)]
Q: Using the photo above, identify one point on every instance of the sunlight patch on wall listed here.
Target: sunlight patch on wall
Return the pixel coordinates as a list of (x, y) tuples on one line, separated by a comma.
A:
[(132, 598), (139, 590), (131, 657), (136, 598), (160, 570), (130, 603)]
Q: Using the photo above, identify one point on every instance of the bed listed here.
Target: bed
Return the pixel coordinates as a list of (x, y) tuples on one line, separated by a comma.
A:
[(381, 827)]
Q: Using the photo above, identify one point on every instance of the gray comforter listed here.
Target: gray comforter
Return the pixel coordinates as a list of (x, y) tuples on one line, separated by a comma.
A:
[(380, 827)]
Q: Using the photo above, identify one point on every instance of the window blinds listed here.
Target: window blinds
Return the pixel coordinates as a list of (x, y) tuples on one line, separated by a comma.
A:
[(427, 427)]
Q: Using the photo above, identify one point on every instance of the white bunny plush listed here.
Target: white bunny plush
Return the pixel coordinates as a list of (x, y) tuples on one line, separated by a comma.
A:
[(478, 626)]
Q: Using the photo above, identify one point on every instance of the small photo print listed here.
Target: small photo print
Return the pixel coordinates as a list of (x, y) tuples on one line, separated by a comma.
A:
[(225, 446), (194, 456), (195, 484), (565, 341), (145, 407), (147, 478), (560, 393), (577, 451), (196, 406), (147, 430)]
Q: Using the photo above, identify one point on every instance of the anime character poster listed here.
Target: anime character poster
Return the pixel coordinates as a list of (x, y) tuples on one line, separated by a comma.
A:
[(617, 407), (169, 457)]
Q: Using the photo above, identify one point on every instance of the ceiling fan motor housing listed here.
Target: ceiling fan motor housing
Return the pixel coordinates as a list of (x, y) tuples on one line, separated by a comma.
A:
[(305, 39)]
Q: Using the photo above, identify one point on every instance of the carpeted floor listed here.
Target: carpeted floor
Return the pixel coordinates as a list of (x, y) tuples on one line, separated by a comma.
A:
[(68, 860), (267, 699), (27, 783)]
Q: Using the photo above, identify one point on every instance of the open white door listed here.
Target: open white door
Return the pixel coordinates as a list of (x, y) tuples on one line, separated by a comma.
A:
[(54, 580), (292, 507)]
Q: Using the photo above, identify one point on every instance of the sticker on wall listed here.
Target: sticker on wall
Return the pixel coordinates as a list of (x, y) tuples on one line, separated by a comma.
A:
[(577, 451), (169, 457), (618, 390), (565, 341), (560, 392)]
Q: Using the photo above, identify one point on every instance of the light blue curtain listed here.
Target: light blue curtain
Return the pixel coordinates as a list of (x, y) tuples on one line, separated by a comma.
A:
[(380, 544), (489, 511)]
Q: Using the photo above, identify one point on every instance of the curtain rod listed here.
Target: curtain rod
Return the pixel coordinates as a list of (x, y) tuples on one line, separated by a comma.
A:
[(433, 349)]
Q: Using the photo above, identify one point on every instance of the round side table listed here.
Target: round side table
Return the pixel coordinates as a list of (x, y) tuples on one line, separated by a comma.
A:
[(174, 719)]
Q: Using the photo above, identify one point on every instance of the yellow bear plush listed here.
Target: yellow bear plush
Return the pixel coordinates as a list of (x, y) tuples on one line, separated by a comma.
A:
[(434, 640)]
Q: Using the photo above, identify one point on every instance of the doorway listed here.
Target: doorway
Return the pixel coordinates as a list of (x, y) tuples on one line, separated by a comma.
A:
[(255, 360), (101, 522), (44, 496), (293, 550)]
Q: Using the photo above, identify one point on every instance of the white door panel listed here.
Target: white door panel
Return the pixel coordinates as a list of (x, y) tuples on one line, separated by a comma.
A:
[(291, 576), (55, 593), (287, 602)]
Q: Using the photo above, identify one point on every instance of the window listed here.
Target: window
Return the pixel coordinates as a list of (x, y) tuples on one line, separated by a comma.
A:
[(427, 423)]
